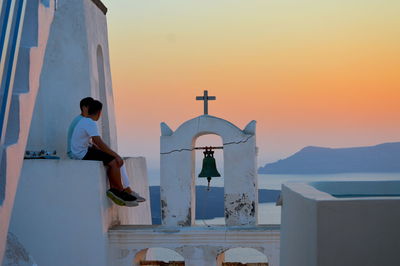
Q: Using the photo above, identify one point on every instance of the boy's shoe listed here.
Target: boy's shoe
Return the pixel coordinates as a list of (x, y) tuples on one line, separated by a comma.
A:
[(122, 198), (138, 197), (112, 193), (129, 200)]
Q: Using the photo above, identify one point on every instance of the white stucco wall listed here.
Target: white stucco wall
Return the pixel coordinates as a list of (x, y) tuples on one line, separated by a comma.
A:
[(320, 230), (70, 73), (298, 230), (62, 215)]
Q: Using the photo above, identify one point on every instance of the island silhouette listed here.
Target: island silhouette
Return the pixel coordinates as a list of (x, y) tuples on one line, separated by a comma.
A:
[(382, 158)]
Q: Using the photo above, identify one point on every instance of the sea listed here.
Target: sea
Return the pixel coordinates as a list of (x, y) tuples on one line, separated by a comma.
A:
[(268, 213)]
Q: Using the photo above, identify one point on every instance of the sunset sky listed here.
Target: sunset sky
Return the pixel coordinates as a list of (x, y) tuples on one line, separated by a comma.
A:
[(323, 73)]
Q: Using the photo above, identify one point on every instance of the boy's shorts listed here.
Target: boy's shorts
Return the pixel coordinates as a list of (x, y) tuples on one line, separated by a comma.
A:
[(94, 154)]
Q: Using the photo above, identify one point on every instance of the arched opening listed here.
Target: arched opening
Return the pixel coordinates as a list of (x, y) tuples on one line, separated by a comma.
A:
[(209, 204), (158, 256), (242, 257), (177, 171), (104, 122)]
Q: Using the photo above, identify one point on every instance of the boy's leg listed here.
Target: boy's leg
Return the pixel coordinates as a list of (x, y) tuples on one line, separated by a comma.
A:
[(113, 171), (114, 175), (124, 176), (127, 187), (116, 192)]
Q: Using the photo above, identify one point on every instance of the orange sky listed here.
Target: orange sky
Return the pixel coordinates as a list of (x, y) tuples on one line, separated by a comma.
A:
[(310, 72)]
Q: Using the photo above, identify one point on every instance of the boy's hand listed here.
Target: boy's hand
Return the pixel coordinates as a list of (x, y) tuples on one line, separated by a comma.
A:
[(102, 146), (119, 160)]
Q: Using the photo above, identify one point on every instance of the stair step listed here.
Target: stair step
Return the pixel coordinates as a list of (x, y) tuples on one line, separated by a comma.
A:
[(30, 29), (13, 125), (21, 80)]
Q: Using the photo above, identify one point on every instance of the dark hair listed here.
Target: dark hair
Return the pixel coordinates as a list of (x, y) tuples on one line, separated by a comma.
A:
[(94, 107), (85, 102)]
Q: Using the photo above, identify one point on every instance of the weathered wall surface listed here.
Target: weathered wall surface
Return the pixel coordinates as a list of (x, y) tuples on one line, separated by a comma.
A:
[(62, 214), (70, 73), (318, 229), (16, 254)]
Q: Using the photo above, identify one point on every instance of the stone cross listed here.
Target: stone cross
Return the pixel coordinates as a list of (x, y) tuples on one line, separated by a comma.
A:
[(205, 98)]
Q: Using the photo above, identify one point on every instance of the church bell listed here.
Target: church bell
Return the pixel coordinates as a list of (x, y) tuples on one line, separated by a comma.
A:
[(209, 168)]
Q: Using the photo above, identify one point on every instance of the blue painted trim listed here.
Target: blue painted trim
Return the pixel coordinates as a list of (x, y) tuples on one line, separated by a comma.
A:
[(6, 8), (9, 69)]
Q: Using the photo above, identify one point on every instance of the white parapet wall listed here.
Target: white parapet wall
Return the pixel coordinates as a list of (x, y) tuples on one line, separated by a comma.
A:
[(341, 223), (61, 212)]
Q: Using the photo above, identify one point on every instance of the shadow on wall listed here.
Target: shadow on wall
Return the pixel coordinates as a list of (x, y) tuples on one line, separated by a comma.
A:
[(2, 176), (104, 121)]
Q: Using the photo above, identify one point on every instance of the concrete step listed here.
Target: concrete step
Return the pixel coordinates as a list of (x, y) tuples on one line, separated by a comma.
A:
[(13, 125), (21, 80)]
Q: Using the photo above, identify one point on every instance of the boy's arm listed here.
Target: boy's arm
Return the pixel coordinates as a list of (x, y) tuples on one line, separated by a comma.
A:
[(94, 145), (104, 147)]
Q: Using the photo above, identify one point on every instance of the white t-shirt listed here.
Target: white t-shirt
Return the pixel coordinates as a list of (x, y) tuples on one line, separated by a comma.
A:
[(80, 140)]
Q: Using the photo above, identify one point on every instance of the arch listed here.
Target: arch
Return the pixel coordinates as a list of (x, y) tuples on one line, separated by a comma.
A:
[(139, 256), (158, 255), (177, 179), (104, 119), (207, 124), (209, 204), (242, 255)]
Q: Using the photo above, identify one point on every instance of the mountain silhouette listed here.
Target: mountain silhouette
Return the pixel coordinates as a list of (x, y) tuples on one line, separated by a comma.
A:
[(383, 158)]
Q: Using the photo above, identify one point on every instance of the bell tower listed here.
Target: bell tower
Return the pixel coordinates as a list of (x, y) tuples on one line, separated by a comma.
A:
[(177, 183)]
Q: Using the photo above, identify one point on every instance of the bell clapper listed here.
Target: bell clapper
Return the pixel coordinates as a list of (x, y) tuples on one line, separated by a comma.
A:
[(208, 187)]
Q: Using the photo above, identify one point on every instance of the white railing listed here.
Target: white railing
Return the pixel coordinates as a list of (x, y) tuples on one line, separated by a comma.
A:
[(127, 242)]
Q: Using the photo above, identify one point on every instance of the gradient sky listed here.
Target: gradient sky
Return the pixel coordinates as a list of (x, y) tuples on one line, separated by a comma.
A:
[(323, 73)]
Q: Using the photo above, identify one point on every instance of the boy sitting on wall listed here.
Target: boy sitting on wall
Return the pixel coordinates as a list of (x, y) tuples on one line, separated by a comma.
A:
[(83, 130), (84, 105)]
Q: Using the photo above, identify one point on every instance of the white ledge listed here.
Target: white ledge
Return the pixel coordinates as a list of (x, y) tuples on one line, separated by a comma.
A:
[(166, 236)]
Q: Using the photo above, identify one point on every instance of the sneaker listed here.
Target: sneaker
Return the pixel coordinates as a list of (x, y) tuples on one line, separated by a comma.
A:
[(129, 200), (122, 198), (138, 197), (112, 193)]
